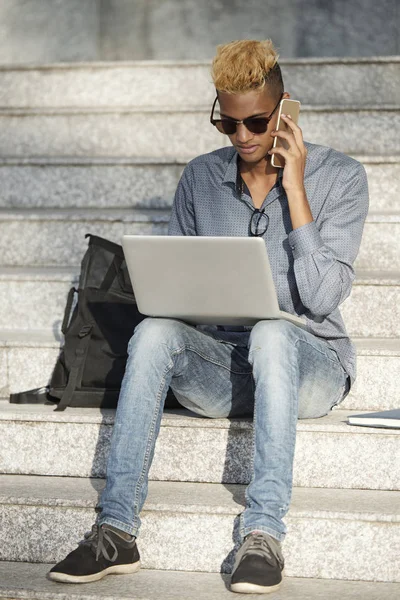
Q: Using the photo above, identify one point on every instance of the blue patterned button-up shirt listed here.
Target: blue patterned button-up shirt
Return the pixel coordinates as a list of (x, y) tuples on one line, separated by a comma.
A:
[(312, 265)]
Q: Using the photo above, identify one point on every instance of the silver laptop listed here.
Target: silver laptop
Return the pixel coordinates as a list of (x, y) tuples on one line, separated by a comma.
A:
[(203, 280)]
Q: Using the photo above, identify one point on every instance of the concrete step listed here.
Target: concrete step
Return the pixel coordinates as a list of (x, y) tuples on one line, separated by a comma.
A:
[(117, 182), (34, 298), (372, 308), (50, 232), (167, 132), (378, 375), (192, 448), (343, 81), (28, 581), (44, 517), (138, 183), (42, 237), (27, 359)]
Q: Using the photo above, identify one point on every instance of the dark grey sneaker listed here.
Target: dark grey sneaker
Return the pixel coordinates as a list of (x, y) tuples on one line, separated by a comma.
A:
[(258, 567), (102, 552)]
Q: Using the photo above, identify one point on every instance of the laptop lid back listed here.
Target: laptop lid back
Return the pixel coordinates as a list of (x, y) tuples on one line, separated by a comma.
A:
[(202, 279)]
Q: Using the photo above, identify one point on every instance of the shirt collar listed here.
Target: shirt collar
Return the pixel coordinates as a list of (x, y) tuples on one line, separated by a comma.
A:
[(232, 173)]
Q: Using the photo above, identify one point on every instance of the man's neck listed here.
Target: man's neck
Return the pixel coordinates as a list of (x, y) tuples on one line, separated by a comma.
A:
[(258, 170)]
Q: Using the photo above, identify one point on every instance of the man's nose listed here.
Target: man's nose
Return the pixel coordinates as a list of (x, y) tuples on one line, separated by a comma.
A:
[(243, 135)]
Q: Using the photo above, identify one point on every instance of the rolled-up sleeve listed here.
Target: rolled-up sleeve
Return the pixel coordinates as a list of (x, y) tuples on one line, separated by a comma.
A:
[(182, 220), (324, 254)]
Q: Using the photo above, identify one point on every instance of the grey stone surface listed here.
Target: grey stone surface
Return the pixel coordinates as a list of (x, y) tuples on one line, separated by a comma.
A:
[(191, 29), (4, 378), (38, 338), (43, 30), (195, 449), (42, 237), (153, 133), (24, 292), (42, 517), (26, 361), (88, 184), (380, 243), (345, 28), (32, 302), (383, 185), (124, 183), (186, 84), (377, 384), (326, 541), (58, 237), (121, 29), (22, 580), (201, 498), (345, 83), (372, 310), (142, 84), (30, 368)]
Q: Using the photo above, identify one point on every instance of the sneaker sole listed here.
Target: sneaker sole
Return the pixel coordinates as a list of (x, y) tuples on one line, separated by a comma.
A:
[(252, 588), (114, 570), (245, 587)]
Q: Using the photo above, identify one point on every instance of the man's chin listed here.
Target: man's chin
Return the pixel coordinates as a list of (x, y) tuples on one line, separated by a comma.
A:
[(254, 157)]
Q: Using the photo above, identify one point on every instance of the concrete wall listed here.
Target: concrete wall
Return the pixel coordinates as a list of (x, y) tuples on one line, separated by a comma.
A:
[(86, 30)]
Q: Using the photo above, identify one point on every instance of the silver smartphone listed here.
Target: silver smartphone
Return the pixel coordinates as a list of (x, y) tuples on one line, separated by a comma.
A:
[(287, 107)]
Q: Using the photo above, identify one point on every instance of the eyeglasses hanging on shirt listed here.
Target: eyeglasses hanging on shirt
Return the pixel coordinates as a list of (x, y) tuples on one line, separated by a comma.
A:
[(258, 223), (259, 220)]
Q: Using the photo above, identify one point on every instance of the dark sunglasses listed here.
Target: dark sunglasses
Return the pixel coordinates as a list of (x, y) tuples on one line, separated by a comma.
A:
[(253, 124)]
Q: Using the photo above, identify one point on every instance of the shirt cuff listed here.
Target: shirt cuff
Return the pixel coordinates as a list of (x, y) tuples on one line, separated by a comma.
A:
[(305, 240)]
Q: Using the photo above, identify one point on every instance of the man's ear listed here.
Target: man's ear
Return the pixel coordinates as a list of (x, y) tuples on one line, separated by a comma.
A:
[(286, 95)]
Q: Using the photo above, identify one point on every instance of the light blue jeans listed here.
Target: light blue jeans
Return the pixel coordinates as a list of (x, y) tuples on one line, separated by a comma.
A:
[(277, 371)]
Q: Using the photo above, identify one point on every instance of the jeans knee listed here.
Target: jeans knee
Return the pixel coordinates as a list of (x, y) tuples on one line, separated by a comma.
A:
[(272, 331), (155, 330)]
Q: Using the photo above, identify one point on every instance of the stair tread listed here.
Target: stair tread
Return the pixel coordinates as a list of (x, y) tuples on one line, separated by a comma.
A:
[(335, 421), (169, 109), (28, 581), (95, 214), (148, 160), (149, 64), (73, 213), (58, 273), (43, 338), (189, 497)]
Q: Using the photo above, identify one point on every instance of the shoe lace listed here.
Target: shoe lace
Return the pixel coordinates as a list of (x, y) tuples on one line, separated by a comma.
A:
[(258, 544), (95, 540)]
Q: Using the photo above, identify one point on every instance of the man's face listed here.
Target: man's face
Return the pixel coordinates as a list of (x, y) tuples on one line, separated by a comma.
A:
[(252, 147)]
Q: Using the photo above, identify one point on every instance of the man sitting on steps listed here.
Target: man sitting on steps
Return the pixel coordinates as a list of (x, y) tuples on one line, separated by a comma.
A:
[(312, 217)]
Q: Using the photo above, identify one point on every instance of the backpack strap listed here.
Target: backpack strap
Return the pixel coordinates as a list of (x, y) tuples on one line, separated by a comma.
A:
[(75, 374), (67, 312), (115, 271), (112, 273), (35, 396)]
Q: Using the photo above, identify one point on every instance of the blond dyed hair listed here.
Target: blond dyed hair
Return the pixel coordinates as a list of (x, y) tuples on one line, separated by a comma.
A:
[(245, 65)]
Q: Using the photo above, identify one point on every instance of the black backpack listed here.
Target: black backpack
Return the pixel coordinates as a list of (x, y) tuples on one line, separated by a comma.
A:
[(91, 364)]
